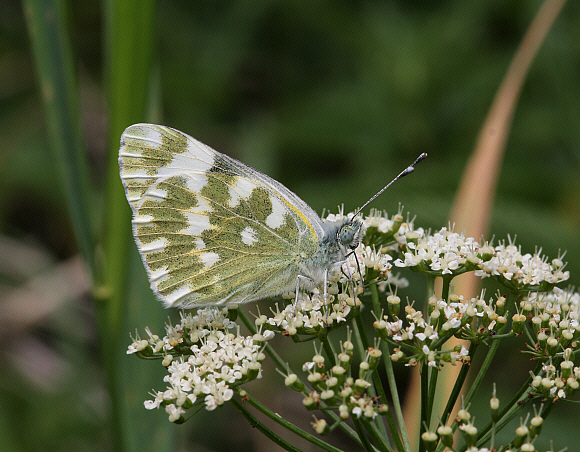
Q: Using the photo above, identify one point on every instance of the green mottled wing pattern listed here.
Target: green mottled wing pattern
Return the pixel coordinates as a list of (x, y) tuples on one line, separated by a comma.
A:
[(210, 229)]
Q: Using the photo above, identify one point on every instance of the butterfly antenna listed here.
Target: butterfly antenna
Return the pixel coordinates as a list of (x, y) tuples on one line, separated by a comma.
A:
[(403, 173)]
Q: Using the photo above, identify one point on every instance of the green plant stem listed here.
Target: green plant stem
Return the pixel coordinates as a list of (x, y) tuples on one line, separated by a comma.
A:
[(283, 365), (395, 397), (383, 397), (424, 402), (504, 413), (445, 287), (489, 356), (291, 427), (361, 339), (432, 387), (331, 355), (378, 437), (362, 435), (262, 428), (452, 400), (376, 377)]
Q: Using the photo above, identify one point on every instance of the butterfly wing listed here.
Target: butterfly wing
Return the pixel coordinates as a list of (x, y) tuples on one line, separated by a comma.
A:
[(210, 229)]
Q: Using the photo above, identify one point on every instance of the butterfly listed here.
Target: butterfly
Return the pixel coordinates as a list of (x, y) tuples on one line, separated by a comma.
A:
[(211, 230)]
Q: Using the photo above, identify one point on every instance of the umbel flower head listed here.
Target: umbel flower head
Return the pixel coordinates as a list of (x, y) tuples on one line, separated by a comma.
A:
[(204, 361)]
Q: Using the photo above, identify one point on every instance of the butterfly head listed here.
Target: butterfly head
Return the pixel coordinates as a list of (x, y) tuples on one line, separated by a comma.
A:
[(349, 235)]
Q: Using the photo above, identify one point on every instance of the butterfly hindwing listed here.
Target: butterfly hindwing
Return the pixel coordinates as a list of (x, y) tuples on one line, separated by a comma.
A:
[(210, 229)]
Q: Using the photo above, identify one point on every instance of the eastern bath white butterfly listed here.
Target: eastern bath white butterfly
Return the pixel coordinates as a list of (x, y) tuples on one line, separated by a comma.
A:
[(212, 230)]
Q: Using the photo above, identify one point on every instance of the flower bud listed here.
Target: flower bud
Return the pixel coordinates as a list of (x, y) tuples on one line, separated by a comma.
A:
[(463, 416), (383, 409), (446, 434), (348, 347), (536, 426), (518, 321), (360, 385), (397, 355), (430, 440), (343, 411), (494, 405), (567, 367), (522, 433), (380, 327), (321, 426), (310, 402), (339, 373), (294, 383), (393, 305), (470, 432), (318, 360), (343, 360), (326, 395), (374, 358), (253, 370)]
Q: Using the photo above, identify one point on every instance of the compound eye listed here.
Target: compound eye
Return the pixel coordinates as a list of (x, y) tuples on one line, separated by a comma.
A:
[(349, 234)]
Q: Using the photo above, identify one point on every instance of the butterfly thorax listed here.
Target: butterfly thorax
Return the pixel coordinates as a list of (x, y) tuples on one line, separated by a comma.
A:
[(340, 238)]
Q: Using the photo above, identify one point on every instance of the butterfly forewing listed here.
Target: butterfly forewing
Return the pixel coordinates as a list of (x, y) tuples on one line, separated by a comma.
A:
[(210, 229)]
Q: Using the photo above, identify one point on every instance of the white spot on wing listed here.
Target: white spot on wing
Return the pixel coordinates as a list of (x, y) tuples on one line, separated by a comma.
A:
[(208, 259), (276, 218), (249, 236), (159, 275), (193, 168), (156, 245), (199, 244), (156, 194), (241, 189), (177, 295), (142, 132), (197, 223), (142, 219)]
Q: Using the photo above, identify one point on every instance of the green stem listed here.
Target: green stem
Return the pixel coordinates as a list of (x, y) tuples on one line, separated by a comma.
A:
[(395, 397), (283, 365), (432, 387), (378, 437), (445, 288), (362, 435), (262, 428), (330, 354), (361, 338), (424, 402), (489, 357), (376, 378), (293, 428), (483, 434), (458, 385)]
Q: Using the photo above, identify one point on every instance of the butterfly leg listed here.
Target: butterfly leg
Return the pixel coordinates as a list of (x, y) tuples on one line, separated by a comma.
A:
[(349, 276), (298, 278)]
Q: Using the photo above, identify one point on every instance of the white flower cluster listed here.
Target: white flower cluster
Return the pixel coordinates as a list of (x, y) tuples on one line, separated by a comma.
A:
[(338, 387), (525, 434), (420, 336), (555, 318), (211, 362), (310, 313), (450, 253), (443, 253), (557, 382), (519, 271)]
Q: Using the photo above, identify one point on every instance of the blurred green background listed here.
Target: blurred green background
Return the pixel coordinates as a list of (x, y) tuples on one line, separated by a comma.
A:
[(332, 98)]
